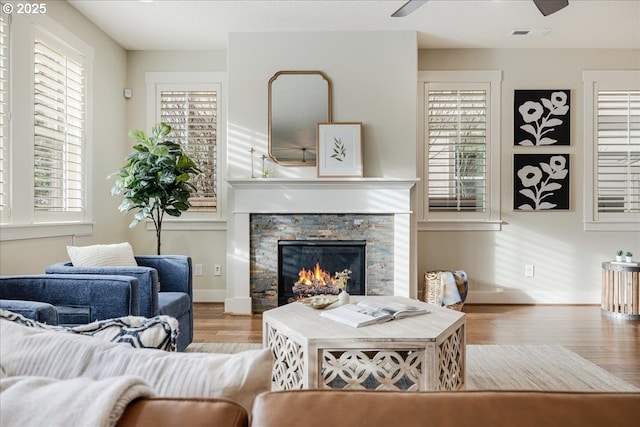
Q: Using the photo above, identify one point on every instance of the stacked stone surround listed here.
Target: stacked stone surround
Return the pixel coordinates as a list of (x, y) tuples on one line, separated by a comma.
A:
[(267, 229)]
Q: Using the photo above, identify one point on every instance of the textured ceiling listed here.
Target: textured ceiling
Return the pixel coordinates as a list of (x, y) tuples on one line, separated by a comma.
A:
[(169, 25)]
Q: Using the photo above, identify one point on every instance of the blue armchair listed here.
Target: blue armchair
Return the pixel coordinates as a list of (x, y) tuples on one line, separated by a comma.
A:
[(165, 284), (70, 299)]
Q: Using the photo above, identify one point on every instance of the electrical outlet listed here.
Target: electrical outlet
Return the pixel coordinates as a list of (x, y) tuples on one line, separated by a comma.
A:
[(529, 270), (217, 270), (198, 269)]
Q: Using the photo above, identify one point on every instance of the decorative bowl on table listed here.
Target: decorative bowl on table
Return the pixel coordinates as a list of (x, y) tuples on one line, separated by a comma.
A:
[(319, 301)]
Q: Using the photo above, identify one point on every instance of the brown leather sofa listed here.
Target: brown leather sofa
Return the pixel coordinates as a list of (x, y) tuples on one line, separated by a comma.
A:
[(323, 408), (168, 412)]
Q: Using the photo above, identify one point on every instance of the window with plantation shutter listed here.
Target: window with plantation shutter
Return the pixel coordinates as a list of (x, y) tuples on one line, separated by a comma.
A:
[(612, 131), (460, 173), (44, 144), (4, 113), (193, 117), (59, 128), (619, 151), (456, 153)]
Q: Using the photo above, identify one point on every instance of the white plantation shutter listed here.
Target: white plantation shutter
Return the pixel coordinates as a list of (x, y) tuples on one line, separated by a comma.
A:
[(4, 112), (618, 151), (193, 117), (456, 140), (59, 128)]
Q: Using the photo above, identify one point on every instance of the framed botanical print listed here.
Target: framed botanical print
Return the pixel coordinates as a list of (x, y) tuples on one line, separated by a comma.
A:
[(339, 150)]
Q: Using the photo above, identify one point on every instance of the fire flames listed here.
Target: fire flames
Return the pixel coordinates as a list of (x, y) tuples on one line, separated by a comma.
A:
[(316, 281), (316, 276)]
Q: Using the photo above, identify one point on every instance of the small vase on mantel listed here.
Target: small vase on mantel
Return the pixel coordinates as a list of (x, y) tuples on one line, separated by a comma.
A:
[(343, 298)]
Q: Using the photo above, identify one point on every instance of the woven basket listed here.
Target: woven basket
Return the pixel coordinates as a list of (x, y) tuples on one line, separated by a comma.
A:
[(433, 290)]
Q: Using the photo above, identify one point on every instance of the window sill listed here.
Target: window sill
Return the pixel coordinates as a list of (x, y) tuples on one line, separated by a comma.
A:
[(185, 224), (612, 226), (37, 231), (436, 225)]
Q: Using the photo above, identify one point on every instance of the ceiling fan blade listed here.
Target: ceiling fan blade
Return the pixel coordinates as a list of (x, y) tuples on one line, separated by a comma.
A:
[(408, 7), (547, 7)]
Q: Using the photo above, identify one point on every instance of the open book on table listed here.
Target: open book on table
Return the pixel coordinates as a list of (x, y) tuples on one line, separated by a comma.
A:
[(369, 312)]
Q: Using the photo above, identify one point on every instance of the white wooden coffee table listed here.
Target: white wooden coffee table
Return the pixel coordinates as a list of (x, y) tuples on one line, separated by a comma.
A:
[(425, 352)]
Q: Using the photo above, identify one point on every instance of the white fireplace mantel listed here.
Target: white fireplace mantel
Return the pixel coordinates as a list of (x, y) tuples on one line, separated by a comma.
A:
[(314, 196)]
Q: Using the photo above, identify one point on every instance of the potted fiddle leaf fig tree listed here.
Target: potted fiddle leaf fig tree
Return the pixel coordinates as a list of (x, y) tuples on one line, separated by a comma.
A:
[(155, 178)]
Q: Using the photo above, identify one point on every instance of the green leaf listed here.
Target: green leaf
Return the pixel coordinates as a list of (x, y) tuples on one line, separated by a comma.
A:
[(158, 151), (173, 212), (161, 130), (140, 135), (182, 206), (184, 177)]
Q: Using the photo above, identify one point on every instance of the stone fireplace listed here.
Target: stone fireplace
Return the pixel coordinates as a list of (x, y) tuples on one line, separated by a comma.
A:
[(268, 231), (266, 211)]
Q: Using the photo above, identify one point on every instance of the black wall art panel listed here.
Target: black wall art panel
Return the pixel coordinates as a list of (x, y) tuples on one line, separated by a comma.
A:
[(540, 182), (541, 117)]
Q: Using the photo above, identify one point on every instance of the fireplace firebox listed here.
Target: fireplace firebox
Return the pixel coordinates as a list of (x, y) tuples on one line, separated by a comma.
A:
[(332, 256)]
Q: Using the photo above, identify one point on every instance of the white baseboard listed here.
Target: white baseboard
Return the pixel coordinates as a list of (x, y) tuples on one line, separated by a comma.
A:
[(518, 297), (237, 305), (209, 296)]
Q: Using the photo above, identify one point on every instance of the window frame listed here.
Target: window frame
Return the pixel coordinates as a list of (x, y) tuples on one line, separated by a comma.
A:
[(205, 80), (5, 123), (44, 215), (593, 81), (490, 219), (22, 221)]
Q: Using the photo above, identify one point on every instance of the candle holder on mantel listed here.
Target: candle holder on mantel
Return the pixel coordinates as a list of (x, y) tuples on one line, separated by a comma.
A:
[(265, 172), (252, 150)]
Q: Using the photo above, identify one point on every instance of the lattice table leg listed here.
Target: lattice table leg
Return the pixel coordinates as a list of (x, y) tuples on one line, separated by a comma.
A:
[(451, 361), (287, 373)]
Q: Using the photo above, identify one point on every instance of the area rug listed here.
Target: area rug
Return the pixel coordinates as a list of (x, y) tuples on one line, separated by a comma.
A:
[(507, 367)]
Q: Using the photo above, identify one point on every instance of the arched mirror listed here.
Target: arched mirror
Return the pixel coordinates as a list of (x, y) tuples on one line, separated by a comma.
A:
[(298, 101)]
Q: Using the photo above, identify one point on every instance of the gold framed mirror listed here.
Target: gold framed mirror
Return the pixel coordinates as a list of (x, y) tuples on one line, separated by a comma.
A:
[(298, 101)]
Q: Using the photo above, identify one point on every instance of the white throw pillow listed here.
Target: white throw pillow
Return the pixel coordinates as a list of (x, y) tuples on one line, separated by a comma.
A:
[(38, 352), (116, 255)]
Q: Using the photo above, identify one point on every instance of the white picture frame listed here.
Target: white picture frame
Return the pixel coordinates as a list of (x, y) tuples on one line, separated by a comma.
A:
[(339, 148)]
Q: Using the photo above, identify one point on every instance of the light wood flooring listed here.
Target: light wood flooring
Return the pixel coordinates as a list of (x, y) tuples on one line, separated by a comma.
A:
[(613, 344)]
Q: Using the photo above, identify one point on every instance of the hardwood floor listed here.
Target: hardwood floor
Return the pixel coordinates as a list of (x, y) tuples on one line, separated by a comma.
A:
[(613, 344)]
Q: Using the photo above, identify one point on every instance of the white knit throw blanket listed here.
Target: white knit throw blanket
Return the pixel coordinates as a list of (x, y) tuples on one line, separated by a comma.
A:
[(35, 352), (39, 401)]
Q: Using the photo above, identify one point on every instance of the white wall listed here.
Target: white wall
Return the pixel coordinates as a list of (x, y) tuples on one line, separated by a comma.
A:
[(109, 130), (567, 259), (205, 241), (373, 76)]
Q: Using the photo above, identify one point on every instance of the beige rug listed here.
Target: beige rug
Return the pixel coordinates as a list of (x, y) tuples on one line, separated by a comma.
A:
[(507, 367)]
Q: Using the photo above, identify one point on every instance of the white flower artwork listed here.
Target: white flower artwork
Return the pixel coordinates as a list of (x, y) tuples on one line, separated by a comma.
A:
[(541, 182), (541, 117)]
